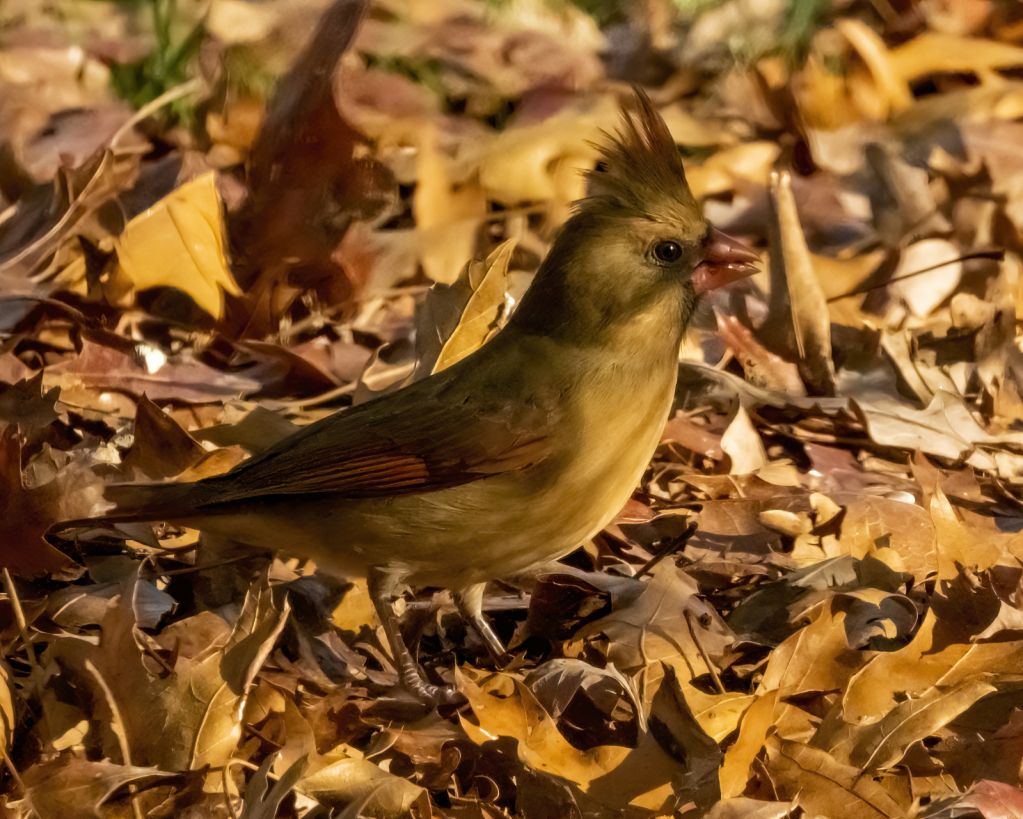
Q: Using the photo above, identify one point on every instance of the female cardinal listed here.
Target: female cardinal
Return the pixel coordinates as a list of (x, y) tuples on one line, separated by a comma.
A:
[(521, 451)]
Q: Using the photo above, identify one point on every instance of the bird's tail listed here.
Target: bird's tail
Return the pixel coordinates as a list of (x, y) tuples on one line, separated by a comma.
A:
[(150, 501), (139, 502)]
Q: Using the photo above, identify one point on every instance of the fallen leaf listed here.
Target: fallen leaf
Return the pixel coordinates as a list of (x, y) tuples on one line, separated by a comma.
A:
[(742, 807), (885, 742), (923, 293), (359, 781), (877, 618), (825, 787), (815, 658), (27, 514), (903, 526), (957, 546), (754, 727), (191, 716), (489, 284), (591, 706), (448, 217), (69, 788), (811, 321), (179, 242), (103, 368), (932, 52), (504, 707), (27, 405), (938, 656), (161, 449), (741, 443)]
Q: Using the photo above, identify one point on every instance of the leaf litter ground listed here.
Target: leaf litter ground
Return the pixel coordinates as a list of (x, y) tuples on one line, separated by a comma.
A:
[(810, 607)]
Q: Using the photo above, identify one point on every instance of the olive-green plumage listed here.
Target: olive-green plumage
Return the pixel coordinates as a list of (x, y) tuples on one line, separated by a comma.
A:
[(521, 451)]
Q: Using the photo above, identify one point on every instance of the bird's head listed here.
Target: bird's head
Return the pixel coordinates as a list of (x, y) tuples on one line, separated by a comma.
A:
[(638, 247)]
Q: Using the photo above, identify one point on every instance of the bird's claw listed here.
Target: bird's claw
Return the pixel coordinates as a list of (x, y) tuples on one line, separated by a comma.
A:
[(434, 695)]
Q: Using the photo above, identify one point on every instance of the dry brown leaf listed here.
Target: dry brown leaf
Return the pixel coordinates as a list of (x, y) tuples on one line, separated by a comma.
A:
[(901, 525), (742, 807), (884, 743), (682, 430), (741, 443), (933, 52), (522, 164), (891, 86), (680, 735), (815, 658), (825, 787), (100, 368), (746, 166), (70, 788), (27, 514), (840, 276), (190, 717), (359, 781), (654, 626), (923, 293), (161, 449), (811, 321), (759, 365), (994, 800), (957, 545), (875, 617), (938, 656)]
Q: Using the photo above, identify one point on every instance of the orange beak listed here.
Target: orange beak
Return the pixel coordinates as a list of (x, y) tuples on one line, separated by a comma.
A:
[(726, 260)]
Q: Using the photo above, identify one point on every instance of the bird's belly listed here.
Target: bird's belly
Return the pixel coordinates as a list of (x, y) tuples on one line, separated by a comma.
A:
[(506, 523), (492, 527)]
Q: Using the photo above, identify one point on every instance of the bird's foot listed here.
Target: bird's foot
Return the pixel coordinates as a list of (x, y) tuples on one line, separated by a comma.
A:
[(502, 659), (433, 695)]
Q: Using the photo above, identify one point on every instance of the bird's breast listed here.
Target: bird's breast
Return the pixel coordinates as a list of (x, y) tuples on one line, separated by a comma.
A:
[(612, 424), (609, 417)]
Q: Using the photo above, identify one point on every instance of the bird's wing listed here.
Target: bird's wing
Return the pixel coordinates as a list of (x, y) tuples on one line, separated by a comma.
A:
[(416, 440)]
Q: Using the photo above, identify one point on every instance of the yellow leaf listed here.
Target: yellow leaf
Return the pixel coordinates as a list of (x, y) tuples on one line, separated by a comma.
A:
[(933, 52), (890, 83), (522, 164), (356, 608), (756, 722), (938, 656), (956, 543), (448, 216), (815, 658), (746, 165), (6, 706), (482, 309), (886, 742), (179, 242), (504, 707), (351, 780)]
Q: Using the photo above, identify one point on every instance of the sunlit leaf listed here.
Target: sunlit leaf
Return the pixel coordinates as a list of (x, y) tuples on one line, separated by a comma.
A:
[(179, 242)]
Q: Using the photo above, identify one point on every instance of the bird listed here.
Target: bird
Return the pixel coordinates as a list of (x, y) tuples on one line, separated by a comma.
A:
[(518, 453)]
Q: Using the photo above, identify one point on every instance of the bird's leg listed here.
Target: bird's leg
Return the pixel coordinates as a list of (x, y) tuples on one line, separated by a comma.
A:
[(470, 605), (382, 586)]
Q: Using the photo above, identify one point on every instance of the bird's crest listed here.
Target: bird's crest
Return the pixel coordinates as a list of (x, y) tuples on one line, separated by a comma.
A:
[(640, 169)]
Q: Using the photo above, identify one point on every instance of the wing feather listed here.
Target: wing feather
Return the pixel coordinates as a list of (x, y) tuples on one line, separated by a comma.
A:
[(419, 439)]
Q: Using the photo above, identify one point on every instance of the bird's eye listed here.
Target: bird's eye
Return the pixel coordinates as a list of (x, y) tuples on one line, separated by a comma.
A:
[(667, 252)]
